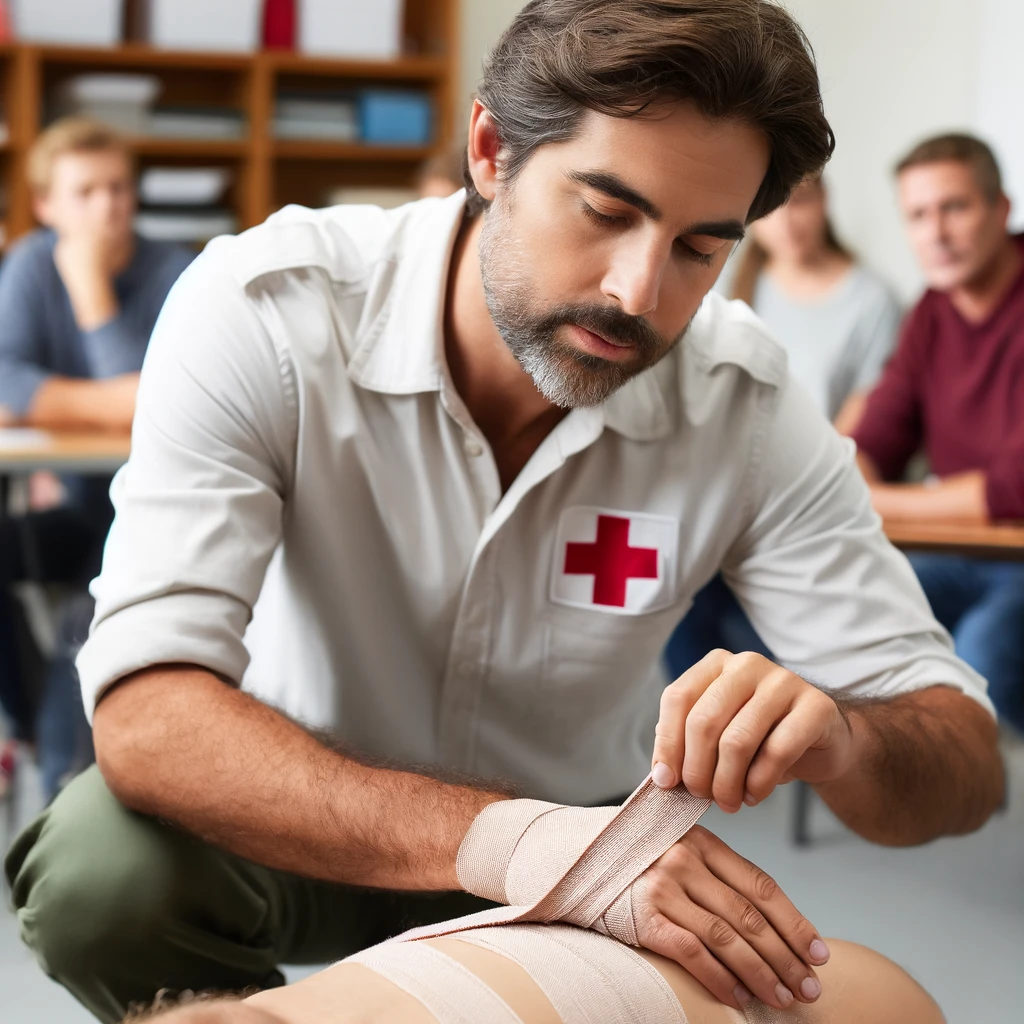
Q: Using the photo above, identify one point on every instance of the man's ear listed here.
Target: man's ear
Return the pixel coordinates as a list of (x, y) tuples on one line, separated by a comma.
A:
[(483, 150)]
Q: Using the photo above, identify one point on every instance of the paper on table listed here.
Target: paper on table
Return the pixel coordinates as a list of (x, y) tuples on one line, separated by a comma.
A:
[(23, 437)]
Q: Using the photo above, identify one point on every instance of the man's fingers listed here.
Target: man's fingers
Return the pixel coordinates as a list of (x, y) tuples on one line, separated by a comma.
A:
[(786, 744), (738, 748), (661, 935), (711, 714), (677, 699), (761, 890)]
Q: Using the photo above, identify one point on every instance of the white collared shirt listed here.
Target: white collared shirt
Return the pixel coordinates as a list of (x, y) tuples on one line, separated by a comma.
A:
[(299, 440)]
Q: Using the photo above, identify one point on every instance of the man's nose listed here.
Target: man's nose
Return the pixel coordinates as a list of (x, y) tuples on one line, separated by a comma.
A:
[(634, 279)]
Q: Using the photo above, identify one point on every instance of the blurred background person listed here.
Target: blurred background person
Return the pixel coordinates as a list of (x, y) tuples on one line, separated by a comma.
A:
[(955, 388), (441, 175), (838, 322), (78, 301)]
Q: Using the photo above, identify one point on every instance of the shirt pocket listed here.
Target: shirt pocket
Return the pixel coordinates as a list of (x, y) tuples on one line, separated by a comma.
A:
[(594, 664)]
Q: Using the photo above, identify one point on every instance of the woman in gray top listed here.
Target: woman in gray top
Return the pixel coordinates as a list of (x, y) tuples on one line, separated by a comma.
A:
[(838, 323), (836, 319)]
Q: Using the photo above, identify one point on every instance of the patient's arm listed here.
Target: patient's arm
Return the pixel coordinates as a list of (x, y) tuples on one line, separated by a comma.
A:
[(859, 986)]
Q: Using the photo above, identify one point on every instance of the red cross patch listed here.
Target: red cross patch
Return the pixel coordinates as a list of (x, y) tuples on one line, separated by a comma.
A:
[(619, 562)]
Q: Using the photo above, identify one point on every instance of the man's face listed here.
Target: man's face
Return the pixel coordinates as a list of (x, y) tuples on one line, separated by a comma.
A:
[(598, 255), (90, 194), (954, 229)]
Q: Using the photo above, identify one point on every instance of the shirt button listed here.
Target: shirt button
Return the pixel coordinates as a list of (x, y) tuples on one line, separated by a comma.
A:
[(473, 450)]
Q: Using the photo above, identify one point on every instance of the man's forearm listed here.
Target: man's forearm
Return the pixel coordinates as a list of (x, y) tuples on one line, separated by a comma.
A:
[(927, 765), (67, 403), (177, 743), (959, 497)]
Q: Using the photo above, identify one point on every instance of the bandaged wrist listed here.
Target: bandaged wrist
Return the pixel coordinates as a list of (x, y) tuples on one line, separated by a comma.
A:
[(572, 864), (516, 850)]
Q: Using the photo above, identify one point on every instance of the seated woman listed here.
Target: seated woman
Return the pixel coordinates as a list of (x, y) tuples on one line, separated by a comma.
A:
[(473, 982)]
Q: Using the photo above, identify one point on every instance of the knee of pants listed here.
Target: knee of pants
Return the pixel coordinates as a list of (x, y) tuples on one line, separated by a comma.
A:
[(94, 883)]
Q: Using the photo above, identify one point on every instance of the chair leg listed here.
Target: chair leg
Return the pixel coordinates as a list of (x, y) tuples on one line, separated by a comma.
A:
[(802, 796)]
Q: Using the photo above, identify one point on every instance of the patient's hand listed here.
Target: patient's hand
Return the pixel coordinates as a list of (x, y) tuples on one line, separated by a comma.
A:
[(727, 923)]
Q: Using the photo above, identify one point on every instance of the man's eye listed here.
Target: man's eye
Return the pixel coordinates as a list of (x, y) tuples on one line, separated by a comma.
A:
[(705, 259), (600, 218)]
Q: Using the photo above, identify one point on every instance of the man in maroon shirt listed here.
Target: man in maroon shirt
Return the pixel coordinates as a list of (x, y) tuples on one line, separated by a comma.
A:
[(955, 388)]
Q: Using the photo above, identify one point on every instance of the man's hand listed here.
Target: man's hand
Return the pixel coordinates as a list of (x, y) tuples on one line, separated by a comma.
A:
[(86, 264), (728, 924), (735, 726)]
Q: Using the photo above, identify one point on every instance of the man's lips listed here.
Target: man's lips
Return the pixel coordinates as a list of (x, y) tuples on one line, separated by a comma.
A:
[(597, 345)]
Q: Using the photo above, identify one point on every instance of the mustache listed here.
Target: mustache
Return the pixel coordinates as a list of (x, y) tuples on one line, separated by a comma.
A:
[(607, 321)]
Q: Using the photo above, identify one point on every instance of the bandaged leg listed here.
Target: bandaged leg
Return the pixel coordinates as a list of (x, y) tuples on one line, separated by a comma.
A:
[(859, 986)]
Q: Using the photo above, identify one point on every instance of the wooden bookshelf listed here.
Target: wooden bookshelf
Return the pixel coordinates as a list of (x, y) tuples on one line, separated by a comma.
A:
[(268, 173)]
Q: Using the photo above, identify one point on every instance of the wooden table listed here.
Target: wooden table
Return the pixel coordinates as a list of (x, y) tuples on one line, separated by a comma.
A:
[(999, 541), (25, 451)]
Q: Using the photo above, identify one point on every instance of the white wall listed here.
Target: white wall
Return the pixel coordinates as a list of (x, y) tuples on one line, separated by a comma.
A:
[(483, 21), (999, 112), (893, 72)]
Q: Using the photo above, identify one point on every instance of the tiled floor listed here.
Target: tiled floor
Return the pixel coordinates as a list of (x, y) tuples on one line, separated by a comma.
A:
[(951, 913)]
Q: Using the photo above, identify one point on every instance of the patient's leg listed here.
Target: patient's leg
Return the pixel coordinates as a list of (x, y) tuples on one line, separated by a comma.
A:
[(859, 987)]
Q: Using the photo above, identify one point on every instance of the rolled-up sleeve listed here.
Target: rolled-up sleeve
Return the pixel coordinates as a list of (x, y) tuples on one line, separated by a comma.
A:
[(831, 597), (199, 503), (22, 349)]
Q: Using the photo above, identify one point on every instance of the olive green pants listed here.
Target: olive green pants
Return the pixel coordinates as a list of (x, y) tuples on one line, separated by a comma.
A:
[(118, 906)]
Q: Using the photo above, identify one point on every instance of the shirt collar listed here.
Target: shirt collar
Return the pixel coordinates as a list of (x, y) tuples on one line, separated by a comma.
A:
[(402, 351)]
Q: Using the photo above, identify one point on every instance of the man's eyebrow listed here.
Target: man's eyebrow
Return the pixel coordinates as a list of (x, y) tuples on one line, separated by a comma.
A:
[(616, 188), (730, 230)]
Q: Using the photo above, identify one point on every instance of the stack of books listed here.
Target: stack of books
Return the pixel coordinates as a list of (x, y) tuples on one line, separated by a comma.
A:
[(329, 116), (184, 204)]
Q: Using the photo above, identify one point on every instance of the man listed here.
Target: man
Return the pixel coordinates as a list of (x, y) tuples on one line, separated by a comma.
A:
[(78, 300), (475, 465), (955, 388)]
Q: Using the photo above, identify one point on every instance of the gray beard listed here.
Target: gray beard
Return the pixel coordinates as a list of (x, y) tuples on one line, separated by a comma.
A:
[(566, 377)]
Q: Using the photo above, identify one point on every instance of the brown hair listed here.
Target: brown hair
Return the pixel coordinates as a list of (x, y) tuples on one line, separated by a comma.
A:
[(743, 59), (754, 258), (964, 149), (71, 135)]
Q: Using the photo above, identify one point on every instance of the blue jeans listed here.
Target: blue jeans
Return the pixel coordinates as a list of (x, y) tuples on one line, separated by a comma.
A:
[(982, 605), (716, 620)]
